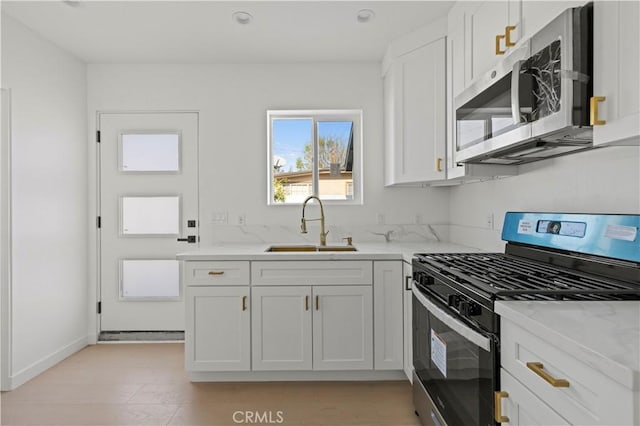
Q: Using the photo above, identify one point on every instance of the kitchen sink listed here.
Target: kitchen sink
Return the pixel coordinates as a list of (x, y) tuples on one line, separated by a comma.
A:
[(308, 248)]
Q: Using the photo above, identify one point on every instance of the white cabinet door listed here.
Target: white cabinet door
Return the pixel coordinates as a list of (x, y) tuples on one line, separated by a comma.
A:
[(342, 328), (218, 329), (486, 38), (281, 328), (616, 67), (387, 305), (523, 408), (415, 116), (408, 320)]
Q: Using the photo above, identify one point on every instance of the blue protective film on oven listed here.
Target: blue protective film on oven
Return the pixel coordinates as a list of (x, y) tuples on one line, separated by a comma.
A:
[(609, 235)]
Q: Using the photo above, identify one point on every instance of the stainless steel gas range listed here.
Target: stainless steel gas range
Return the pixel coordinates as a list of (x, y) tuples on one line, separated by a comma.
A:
[(456, 333)]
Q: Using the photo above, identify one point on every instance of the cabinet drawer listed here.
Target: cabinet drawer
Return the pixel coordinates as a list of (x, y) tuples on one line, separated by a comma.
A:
[(200, 273), (591, 398), (320, 272)]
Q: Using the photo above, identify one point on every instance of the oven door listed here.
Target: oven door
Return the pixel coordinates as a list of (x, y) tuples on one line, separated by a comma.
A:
[(455, 363)]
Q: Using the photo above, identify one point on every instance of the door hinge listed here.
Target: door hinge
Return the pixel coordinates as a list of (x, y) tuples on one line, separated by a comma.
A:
[(98, 136), (99, 221), (99, 307)]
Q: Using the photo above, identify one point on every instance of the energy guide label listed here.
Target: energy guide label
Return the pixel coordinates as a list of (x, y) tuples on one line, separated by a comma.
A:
[(439, 352)]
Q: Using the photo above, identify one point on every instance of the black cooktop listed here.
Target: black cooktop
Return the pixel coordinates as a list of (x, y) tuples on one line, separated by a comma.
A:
[(504, 276)]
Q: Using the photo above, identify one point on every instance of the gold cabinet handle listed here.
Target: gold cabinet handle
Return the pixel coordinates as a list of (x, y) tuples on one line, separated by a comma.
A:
[(317, 302), (538, 368), (306, 303), (498, 50), (497, 406), (216, 272), (244, 303), (507, 33), (595, 121), (439, 164)]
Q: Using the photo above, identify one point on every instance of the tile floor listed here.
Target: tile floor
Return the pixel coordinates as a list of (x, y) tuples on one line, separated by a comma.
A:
[(145, 384)]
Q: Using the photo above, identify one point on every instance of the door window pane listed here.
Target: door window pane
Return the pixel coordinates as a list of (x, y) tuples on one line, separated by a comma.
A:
[(150, 279), (150, 215), (150, 152)]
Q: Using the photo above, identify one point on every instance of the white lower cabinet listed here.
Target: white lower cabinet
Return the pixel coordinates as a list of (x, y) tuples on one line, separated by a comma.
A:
[(281, 328), (388, 319), (342, 328), (218, 329), (319, 328), (518, 406)]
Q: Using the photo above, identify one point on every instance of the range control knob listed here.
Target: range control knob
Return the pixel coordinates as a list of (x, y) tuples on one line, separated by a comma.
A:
[(453, 300), (469, 309)]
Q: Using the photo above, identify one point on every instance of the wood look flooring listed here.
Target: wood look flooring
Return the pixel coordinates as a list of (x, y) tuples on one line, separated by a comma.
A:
[(145, 384)]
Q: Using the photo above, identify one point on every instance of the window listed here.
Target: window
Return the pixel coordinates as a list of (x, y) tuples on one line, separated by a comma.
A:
[(315, 153)]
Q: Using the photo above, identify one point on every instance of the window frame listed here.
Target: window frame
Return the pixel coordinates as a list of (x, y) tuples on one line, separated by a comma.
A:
[(319, 115)]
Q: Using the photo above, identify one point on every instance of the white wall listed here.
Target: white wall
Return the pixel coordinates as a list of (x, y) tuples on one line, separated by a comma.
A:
[(233, 100), (49, 200), (605, 180)]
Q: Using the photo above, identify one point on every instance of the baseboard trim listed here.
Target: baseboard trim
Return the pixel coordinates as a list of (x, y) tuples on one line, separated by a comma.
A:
[(295, 376), (46, 362)]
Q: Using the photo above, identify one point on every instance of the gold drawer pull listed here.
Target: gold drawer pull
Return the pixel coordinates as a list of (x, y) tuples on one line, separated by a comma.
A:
[(538, 368), (497, 406), (498, 50), (317, 302), (507, 32), (595, 121), (244, 303), (439, 164), (216, 272), (306, 303)]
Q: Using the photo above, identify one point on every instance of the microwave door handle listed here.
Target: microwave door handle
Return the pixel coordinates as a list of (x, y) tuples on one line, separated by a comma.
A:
[(515, 92)]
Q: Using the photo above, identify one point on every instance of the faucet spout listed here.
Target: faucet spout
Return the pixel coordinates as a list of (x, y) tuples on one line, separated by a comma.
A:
[(303, 226)]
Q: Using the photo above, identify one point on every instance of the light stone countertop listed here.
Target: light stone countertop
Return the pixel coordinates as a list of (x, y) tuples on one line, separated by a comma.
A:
[(604, 335), (369, 251)]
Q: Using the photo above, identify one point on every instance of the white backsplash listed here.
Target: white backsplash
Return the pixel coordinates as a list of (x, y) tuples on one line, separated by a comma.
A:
[(291, 234)]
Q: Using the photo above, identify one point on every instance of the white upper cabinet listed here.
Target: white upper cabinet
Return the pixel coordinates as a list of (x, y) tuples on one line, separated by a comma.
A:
[(414, 110), (493, 28), (615, 107)]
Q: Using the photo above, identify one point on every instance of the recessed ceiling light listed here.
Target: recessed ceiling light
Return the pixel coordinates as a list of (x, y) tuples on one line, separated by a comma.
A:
[(242, 17), (365, 15)]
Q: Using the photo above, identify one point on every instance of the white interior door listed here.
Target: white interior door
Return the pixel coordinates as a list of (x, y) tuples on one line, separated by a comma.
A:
[(148, 200)]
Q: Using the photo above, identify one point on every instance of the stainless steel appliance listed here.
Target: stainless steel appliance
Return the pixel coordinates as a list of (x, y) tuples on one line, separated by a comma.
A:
[(535, 104), (456, 333)]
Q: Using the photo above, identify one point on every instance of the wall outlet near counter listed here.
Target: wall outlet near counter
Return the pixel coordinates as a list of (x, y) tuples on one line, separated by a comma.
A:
[(219, 217), (242, 219), (380, 219), (489, 221)]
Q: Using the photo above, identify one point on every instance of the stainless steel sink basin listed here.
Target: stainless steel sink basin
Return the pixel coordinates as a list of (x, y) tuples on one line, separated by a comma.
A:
[(308, 248)]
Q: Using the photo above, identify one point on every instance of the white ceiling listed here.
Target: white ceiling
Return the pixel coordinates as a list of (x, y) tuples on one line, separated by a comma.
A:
[(204, 32)]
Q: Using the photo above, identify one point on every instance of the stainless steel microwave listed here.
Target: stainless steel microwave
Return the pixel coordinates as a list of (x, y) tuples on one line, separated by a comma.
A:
[(535, 104)]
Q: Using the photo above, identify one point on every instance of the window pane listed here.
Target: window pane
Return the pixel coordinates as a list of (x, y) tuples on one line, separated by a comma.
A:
[(150, 215), (292, 159), (150, 278), (335, 160), (150, 152)]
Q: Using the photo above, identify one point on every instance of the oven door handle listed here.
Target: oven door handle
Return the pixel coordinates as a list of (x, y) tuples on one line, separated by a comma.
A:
[(453, 323), (515, 91)]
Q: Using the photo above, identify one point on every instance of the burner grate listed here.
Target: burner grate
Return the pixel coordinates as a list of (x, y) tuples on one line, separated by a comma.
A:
[(508, 276)]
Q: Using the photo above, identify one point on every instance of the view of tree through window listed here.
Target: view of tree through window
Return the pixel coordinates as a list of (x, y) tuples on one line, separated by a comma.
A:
[(307, 162)]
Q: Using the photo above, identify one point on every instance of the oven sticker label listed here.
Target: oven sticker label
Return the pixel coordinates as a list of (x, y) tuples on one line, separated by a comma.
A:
[(439, 352), (621, 232), (525, 227)]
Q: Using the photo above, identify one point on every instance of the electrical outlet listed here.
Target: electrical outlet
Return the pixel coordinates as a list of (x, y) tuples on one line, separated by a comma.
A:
[(489, 222), (380, 219), (418, 219), (242, 219), (219, 217)]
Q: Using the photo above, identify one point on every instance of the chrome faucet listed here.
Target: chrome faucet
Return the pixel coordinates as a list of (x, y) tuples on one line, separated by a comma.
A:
[(303, 226)]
